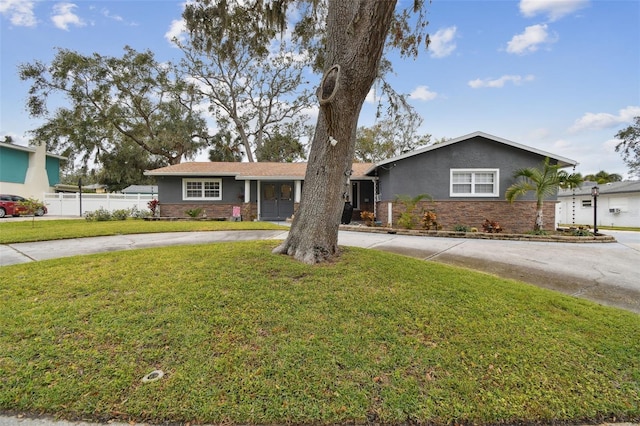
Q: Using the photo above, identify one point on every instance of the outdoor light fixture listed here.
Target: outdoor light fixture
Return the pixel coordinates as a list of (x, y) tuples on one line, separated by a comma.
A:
[(594, 194)]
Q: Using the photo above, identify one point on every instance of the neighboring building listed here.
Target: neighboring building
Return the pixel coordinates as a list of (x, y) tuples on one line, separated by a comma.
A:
[(618, 204), (28, 171), (141, 189), (467, 178)]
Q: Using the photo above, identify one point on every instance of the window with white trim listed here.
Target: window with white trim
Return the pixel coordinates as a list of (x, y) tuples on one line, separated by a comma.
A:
[(202, 189), (474, 183)]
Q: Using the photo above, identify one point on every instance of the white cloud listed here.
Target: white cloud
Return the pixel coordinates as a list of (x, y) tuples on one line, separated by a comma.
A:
[(603, 120), (529, 41), (106, 13), (177, 30), (19, 12), (422, 93), (63, 16), (372, 96), (442, 42), (500, 82), (554, 9)]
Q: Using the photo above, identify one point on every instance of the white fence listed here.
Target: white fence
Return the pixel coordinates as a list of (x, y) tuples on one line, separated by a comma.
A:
[(68, 204)]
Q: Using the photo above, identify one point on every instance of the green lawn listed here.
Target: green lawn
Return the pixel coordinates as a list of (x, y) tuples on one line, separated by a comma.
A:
[(41, 230), (244, 336)]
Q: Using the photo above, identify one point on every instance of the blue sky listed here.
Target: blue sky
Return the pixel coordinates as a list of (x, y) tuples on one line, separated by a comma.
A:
[(558, 75)]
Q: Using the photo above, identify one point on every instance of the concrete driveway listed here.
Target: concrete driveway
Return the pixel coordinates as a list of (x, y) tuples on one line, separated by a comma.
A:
[(603, 272)]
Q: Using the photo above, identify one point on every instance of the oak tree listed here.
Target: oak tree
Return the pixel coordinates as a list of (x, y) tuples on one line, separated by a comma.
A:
[(630, 146), (133, 99), (252, 86), (354, 36)]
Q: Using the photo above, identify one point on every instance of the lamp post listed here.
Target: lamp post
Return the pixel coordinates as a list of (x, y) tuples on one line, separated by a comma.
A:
[(594, 194)]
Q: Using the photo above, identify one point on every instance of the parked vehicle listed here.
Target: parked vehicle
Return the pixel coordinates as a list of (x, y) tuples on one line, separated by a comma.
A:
[(10, 206)]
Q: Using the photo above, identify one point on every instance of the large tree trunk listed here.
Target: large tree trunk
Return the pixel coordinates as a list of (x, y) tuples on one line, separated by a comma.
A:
[(356, 34)]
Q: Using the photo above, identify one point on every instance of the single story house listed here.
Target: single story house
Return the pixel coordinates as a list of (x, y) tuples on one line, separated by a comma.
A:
[(618, 204), (28, 171), (262, 191), (467, 178)]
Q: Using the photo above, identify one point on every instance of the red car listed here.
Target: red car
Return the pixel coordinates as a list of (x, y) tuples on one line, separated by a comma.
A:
[(9, 206)]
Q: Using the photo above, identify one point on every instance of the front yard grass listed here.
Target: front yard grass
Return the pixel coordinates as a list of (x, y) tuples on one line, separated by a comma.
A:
[(43, 230), (247, 337)]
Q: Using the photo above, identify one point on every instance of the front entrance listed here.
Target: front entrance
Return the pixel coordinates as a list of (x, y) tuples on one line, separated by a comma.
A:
[(276, 201)]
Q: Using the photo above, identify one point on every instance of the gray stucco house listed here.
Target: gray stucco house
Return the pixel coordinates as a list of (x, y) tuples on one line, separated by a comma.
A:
[(466, 177)]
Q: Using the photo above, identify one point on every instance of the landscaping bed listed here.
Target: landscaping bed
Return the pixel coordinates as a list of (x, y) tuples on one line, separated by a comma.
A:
[(551, 237)]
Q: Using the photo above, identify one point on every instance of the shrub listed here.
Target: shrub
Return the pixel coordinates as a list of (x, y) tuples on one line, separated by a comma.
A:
[(136, 213), (406, 220), (194, 212), (368, 217), (491, 226), (153, 206), (100, 215), (430, 220), (462, 228), (581, 232), (412, 212), (121, 214)]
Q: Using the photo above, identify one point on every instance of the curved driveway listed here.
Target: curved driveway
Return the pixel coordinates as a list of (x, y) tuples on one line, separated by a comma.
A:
[(604, 272)]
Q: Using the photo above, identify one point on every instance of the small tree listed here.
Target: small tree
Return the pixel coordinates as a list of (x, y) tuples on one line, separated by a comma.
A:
[(32, 207), (544, 182), (630, 146)]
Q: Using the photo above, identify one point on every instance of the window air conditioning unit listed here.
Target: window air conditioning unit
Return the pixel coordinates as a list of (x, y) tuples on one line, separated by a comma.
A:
[(614, 211)]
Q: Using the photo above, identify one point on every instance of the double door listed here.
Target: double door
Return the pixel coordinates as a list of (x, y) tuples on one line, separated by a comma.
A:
[(276, 201)]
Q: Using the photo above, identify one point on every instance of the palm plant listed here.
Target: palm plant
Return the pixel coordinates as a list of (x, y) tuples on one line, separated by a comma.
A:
[(603, 177), (544, 181)]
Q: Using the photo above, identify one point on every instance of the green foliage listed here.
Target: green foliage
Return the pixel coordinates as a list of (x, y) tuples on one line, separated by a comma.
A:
[(117, 107), (251, 93), (103, 215), (196, 212), (462, 228), (121, 214), (412, 213), (247, 337), (225, 148), (100, 215), (281, 148), (603, 177), (544, 182), (389, 138), (31, 206), (630, 146), (581, 232)]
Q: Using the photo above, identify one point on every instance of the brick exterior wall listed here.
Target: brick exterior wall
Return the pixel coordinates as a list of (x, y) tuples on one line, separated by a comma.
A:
[(518, 217), (249, 211)]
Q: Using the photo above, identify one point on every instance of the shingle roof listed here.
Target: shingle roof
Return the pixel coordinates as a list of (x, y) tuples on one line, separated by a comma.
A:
[(243, 171)]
